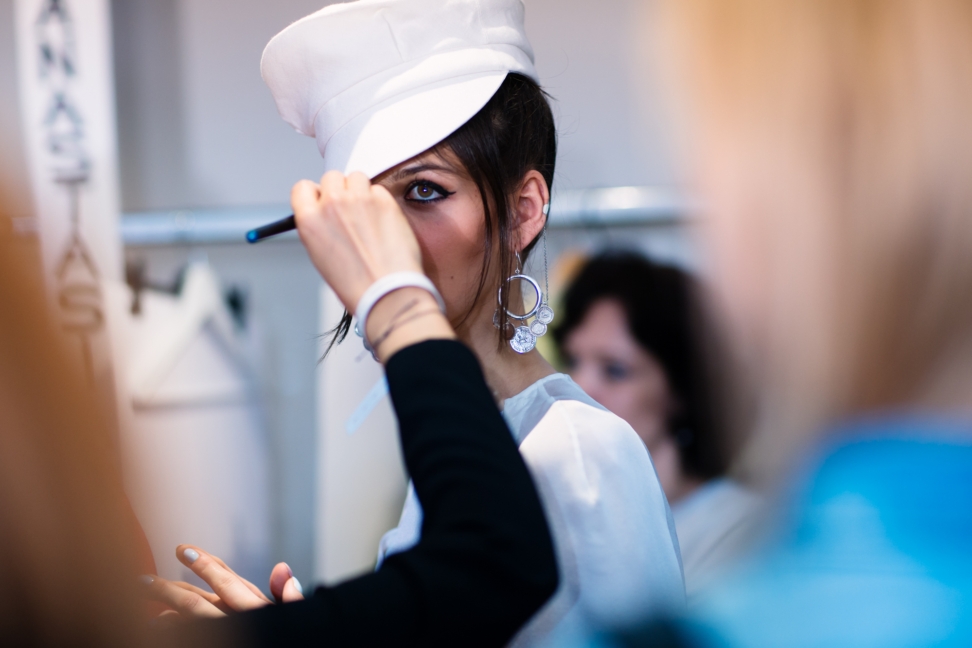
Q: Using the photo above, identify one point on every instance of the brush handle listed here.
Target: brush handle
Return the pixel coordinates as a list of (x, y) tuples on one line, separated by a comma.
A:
[(277, 227)]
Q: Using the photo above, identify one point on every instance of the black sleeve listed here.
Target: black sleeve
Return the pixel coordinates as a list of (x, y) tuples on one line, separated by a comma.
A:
[(485, 563)]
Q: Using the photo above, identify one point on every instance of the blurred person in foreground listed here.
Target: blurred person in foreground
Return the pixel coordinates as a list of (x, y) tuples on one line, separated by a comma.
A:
[(632, 338), (832, 146), (65, 524)]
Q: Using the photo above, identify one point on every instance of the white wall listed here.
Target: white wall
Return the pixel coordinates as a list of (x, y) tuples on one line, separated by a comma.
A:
[(198, 126), (612, 124)]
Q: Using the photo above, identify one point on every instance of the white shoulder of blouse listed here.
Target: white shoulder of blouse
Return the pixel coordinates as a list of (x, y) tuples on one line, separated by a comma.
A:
[(556, 410), (600, 491), (523, 411)]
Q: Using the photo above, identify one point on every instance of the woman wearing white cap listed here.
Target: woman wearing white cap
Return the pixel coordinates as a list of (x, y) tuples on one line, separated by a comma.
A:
[(437, 103)]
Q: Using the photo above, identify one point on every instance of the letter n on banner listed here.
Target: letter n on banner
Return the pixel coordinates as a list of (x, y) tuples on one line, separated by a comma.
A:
[(68, 111)]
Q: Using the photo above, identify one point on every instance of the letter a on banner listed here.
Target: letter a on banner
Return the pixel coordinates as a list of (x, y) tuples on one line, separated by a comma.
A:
[(67, 105)]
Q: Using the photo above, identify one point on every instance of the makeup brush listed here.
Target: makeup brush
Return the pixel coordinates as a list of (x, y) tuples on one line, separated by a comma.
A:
[(272, 229)]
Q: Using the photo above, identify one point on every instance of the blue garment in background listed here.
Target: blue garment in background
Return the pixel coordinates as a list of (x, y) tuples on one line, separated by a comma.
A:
[(875, 550)]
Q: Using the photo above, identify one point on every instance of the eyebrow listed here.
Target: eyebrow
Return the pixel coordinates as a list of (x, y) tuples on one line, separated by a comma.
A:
[(419, 168)]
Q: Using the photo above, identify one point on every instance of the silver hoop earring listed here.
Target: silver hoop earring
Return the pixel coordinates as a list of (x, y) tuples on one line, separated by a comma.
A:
[(524, 337)]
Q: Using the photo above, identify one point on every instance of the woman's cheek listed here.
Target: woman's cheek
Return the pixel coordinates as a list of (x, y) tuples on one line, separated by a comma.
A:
[(627, 400), (641, 404), (452, 259)]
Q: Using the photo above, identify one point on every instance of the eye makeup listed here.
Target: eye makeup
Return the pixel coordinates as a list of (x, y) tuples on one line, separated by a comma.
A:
[(418, 191), (425, 191)]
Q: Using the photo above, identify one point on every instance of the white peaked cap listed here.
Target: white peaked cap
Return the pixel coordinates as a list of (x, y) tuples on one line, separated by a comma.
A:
[(377, 82)]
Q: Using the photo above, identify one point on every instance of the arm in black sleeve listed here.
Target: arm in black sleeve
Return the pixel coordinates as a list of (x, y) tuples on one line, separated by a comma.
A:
[(485, 563)]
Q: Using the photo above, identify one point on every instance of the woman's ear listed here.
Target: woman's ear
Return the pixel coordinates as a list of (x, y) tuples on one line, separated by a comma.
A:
[(531, 207)]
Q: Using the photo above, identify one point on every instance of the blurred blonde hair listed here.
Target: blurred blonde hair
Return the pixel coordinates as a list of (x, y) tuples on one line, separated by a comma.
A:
[(67, 555), (834, 138)]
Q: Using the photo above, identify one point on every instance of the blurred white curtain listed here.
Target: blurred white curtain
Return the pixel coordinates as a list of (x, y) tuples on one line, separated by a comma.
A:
[(360, 475), (196, 442)]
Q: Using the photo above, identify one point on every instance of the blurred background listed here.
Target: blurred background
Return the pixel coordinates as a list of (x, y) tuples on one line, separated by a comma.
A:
[(237, 438)]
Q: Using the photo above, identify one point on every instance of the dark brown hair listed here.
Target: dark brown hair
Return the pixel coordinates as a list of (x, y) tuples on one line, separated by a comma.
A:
[(511, 135)]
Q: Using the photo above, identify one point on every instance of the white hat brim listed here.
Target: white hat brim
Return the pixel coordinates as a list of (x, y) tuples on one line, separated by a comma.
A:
[(406, 125)]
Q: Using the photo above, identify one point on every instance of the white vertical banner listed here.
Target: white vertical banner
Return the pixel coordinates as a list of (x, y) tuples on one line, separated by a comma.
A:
[(67, 104)]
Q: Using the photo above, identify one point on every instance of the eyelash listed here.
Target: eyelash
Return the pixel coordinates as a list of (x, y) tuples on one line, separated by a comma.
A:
[(443, 194)]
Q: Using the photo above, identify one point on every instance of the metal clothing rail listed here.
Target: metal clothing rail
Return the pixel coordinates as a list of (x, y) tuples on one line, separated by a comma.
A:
[(570, 209)]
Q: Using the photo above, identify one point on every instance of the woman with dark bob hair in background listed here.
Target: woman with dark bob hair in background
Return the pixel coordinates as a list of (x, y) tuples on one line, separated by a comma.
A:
[(633, 338)]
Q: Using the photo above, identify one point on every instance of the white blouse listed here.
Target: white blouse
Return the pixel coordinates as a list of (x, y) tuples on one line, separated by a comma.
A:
[(615, 539), (715, 524)]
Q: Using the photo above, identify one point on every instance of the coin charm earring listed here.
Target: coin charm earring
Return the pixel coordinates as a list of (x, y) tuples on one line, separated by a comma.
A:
[(524, 338)]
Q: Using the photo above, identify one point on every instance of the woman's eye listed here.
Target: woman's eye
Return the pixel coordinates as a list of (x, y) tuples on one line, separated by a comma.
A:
[(426, 192), (615, 371)]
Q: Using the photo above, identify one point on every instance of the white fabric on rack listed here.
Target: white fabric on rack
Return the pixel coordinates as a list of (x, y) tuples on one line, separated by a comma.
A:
[(196, 444), (613, 531)]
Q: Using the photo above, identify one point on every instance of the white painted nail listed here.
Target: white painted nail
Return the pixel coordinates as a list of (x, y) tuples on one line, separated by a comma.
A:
[(191, 555), (297, 585)]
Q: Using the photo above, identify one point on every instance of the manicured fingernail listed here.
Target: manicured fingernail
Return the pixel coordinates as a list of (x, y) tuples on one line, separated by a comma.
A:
[(191, 555), (146, 579), (297, 585)]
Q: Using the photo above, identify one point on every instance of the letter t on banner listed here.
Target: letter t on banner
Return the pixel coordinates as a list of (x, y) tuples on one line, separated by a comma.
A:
[(68, 111)]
